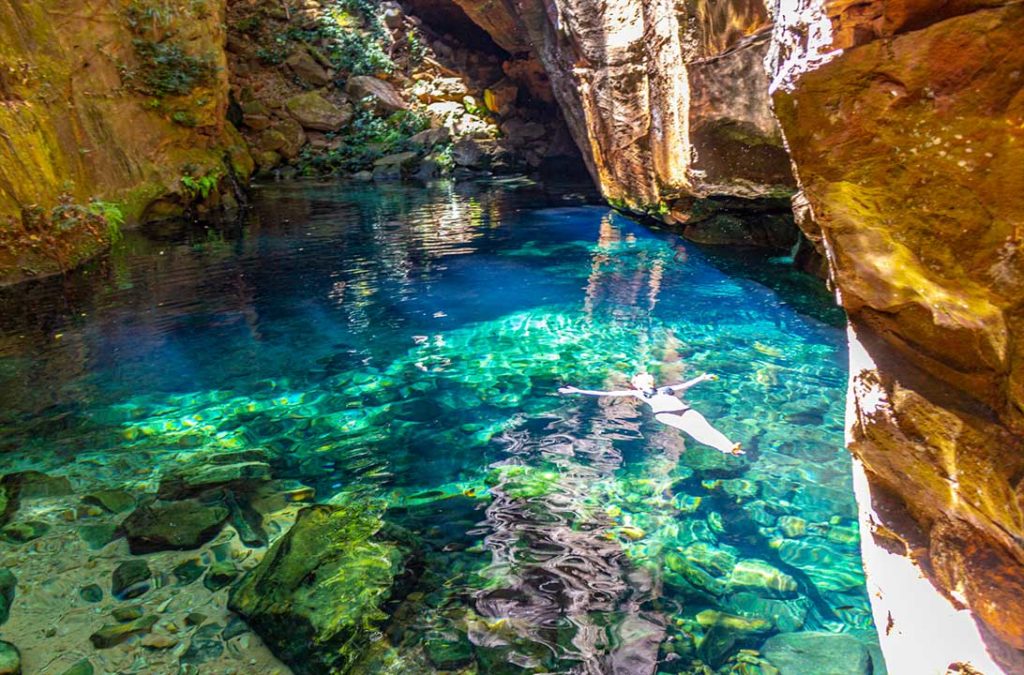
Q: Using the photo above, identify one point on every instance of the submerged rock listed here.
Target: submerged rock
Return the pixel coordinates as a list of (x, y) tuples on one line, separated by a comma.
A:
[(238, 471), (33, 484), (10, 659), (161, 526), (127, 576), (8, 585), (817, 654), (760, 576), (114, 501), (316, 595), (83, 667), (111, 635), (25, 531)]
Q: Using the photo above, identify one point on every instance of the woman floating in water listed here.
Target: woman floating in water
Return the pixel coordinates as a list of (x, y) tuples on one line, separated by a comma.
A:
[(670, 409)]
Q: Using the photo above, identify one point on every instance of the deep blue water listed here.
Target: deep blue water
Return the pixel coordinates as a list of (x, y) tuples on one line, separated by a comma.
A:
[(405, 345)]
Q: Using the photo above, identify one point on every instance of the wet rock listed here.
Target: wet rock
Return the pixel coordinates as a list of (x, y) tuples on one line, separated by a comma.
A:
[(521, 132), (188, 571), (195, 619), (374, 94), (760, 576), (241, 471), (8, 501), (10, 659), (448, 654), (180, 525), (111, 635), (33, 484), (817, 654), (205, 646), (97, 536), (159, 641), (126, 614), (793, 526), (741, 624), (234, 628), (221, 574), (315, 596), (394, 167), (114, 501), (307, 69), (786, 615), (8, 587), (83, 667), (128, 577), (313, 111), (91, 593), (19, 533), (829, 569)]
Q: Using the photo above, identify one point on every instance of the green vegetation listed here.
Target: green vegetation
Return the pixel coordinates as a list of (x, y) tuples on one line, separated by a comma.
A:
[(63, 232), (367, 139), (200, 188), (164, 67)]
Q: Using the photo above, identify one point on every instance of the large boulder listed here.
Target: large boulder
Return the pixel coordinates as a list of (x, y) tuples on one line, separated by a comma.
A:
[(378, 95), (315, 112), (316, 595), (813, 653), (180, 525), (307, 69)]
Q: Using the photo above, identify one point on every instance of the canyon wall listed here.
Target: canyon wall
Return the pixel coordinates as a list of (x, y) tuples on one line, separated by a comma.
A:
[(91, 108), (905, 122), (668, 102)]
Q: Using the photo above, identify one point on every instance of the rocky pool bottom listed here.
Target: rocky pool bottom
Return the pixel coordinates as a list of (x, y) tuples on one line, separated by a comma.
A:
[(328, 442)]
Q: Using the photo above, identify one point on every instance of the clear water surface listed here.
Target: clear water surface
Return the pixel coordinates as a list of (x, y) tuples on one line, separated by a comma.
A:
[(399, 349)]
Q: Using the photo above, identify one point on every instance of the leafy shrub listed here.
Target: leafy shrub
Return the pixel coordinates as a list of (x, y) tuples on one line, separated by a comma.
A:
[(366, 139)]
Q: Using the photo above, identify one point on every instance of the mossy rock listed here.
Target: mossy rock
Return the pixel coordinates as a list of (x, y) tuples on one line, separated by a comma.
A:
[(8, 583), (10, 659), (316, 595), (162, 526)]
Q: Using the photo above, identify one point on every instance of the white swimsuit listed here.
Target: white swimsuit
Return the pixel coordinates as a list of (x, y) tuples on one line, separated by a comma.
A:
[(663, 402)]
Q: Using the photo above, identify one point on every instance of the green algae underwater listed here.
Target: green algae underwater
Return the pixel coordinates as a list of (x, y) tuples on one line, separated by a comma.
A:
[(329, 440)]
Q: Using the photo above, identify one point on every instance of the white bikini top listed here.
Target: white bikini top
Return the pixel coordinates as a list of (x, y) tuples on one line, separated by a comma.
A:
[(662, 400)]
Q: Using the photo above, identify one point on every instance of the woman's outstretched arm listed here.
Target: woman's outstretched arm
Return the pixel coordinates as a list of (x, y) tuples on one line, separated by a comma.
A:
[(592, 392), (689, 383)]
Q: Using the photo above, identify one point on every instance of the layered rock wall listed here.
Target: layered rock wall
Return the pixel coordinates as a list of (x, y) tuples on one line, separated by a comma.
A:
[(905, 122)]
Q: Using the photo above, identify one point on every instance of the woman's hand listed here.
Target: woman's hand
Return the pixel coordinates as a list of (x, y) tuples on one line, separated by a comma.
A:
[(568, 390)]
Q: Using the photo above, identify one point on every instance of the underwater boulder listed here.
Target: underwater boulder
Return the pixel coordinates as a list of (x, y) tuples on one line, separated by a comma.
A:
[(316, 595), (812, 653), (10, 659), (237, 471), (181, 525), (759, 576)]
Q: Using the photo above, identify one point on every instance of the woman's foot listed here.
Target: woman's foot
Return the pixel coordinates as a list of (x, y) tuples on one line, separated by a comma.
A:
[(736, 450)]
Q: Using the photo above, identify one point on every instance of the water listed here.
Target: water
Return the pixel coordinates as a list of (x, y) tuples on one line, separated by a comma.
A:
[(398, 349)]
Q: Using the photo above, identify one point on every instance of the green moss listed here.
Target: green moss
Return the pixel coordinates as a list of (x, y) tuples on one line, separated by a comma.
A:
[(315, 597)]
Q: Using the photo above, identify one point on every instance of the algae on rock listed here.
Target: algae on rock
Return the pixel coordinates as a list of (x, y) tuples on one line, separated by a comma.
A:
[(317, 594)]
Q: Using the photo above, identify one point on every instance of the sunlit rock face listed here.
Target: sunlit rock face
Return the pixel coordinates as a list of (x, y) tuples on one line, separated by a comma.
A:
[(905, 122), (668, 101), (81, 114)]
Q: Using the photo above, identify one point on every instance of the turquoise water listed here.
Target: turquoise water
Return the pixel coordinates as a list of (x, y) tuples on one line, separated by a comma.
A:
[(399, 350)]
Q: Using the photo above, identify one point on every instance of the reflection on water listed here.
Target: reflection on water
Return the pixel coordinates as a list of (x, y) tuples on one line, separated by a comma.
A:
[(398, 350)]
